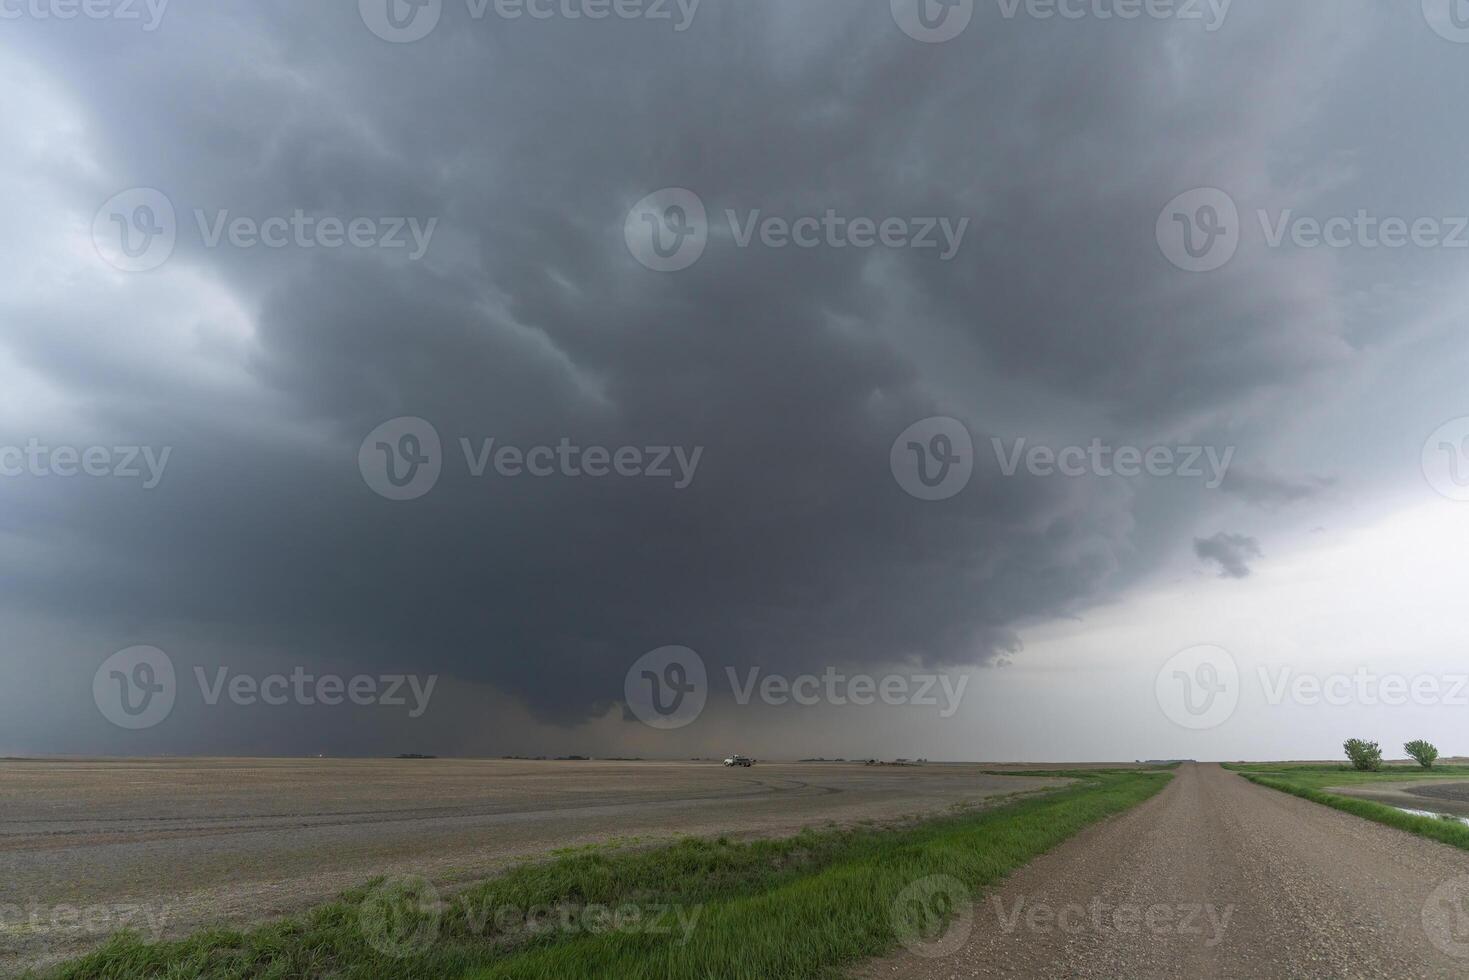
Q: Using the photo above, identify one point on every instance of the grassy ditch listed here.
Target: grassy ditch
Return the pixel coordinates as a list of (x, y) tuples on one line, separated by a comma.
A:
[(700, 908), (1311, 782)]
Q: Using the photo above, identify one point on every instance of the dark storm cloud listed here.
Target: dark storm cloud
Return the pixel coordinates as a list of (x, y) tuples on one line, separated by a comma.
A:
[(529, 321), (1230, 551), (1269, 490)]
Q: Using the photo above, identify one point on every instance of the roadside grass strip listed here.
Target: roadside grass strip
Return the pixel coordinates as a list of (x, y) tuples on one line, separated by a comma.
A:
[(800, 906), (1309, 782)]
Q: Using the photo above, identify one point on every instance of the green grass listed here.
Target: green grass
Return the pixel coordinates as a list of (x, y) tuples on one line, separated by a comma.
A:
[(1311, 783), (797, 907)]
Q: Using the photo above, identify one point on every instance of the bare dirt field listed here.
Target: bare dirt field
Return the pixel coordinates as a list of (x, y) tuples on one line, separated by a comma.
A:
[(178, 844)]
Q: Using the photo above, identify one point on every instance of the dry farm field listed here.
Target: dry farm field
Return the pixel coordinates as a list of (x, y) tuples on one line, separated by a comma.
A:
[(199, 842)]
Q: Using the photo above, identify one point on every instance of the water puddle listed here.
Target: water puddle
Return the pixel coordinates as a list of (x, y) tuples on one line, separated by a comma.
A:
[(1446, 817)]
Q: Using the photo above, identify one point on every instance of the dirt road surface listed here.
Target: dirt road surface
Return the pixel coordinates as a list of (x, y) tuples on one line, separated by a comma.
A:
[(1216, 877), (175, 845)]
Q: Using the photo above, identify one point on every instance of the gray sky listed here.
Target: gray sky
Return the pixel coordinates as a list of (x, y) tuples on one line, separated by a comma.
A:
[(257, 236)]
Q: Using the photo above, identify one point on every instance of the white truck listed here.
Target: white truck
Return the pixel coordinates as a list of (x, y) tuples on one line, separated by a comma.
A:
[(739, 760)]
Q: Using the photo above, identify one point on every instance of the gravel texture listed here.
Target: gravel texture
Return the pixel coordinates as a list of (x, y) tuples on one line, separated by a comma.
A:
[(1296, 890)]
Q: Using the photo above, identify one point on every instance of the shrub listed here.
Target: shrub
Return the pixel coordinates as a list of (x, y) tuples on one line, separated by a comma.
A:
[(1365, 756), (1422, 752)]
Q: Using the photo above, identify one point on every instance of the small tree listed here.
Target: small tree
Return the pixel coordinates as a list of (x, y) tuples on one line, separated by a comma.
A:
[(1365, 756), (1422, 752)]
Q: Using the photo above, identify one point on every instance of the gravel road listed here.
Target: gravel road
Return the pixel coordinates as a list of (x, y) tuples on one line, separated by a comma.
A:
[(1216, 877)]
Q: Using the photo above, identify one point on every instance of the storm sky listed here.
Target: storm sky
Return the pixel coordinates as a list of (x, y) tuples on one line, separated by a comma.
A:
[(1096, 233)]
